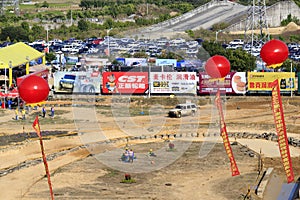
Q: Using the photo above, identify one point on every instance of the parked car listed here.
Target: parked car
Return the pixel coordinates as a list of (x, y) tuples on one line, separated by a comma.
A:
[(237, 42), (183, 110)]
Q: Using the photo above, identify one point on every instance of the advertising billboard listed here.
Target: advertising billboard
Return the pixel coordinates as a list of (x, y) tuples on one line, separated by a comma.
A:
[(125, 82), (42, 73), (136, 62), (166, 62), (261, 81), (77, 82), (173, 82), (233, 83)]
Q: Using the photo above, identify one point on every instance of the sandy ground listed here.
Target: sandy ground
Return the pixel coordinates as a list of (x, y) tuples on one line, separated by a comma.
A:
[(291, 27), (84, 144)]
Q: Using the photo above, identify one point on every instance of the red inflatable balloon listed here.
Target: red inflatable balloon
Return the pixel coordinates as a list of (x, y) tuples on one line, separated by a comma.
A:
[(217, 66), (274, 53), (33, 89)]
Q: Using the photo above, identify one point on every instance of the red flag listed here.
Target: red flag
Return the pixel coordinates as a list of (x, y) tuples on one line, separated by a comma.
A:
[(281, 132), (36, 126), (224, 135)]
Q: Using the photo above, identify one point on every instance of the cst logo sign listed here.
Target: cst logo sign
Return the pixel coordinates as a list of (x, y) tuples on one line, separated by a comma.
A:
[(132, 79)]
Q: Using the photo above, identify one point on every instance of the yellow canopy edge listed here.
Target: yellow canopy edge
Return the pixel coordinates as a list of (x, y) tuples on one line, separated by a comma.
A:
[(18, 54)]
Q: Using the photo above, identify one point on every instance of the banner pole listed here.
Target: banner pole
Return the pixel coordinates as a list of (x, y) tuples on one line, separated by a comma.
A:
[(36, 126)]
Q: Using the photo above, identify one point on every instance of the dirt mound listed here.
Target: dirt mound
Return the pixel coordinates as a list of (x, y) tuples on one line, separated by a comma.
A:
[(291, 27)]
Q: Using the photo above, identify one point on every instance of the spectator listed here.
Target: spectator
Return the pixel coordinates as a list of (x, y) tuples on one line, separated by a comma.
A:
[(43, 111), (131, 155), (9, 103), (17, 114), (52, 111), (23, 114)]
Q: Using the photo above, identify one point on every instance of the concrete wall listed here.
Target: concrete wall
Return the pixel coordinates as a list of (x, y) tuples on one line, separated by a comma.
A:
[(280, 11), (274, 15)]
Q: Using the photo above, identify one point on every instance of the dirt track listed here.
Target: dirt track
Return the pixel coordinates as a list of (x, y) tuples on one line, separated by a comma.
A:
[(76, 175)]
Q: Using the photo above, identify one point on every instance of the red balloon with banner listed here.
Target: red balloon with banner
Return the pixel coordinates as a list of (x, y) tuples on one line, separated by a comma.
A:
[(217, 66), (274, 53), (33, 90)]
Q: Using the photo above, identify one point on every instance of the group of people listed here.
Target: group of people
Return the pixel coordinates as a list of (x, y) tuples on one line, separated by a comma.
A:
[(23, 113), (128, 156), (44, 111)]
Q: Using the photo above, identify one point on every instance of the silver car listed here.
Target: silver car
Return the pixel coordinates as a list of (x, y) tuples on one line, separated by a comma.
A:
[(183, 110)]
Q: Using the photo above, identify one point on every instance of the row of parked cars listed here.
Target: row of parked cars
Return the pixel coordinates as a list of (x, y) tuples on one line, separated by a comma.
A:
[(294, 48), (111, 45), (116, 46)]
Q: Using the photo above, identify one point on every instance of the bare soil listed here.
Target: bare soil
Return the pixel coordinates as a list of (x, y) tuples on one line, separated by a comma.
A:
[(90, 168)]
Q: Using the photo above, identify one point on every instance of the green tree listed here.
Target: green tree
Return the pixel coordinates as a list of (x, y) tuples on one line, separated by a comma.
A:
[(50, 56), (108, 23), (25, 26), (86, 4), (14, 33), (289, 19), (83, 25), (239, 60), (37, 31), (45, 4)]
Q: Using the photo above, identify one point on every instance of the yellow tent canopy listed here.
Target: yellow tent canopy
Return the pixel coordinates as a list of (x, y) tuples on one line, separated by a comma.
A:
[(16, 55)]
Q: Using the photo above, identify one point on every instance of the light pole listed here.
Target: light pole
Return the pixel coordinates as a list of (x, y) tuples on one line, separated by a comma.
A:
[(47, 34), (149, 81), (5, 81), (291, 80), (217, 35), (107, 33), (60, 60)]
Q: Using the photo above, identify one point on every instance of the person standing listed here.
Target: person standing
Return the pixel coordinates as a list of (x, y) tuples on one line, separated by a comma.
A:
[(16, 114), (131, 155), (9, 103), (52, 111), (23, 114), (43, 111)]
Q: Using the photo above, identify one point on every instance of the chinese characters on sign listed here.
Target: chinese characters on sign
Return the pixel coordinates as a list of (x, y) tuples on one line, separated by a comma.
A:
[(262, 81), (173, 82), (224, 135), (125, 82), (281, 131)]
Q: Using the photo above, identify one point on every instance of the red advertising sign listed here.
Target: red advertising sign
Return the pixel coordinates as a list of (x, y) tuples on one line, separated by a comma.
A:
[(233, 83), (42, 73), (125, 82)]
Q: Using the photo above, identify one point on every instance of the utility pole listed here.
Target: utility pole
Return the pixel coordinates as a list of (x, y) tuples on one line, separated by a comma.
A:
[(107, 33), (16, 7), (256, 21)]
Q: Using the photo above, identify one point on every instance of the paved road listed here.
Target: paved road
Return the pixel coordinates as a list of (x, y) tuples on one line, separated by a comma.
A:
[(204, 17)]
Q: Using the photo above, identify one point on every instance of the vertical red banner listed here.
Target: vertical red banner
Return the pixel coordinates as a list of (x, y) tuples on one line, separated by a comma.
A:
[(224, 135), (36, 127), (281, 132)]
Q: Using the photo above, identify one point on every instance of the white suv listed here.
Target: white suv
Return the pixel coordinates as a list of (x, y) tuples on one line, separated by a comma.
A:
[(183, 109)]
